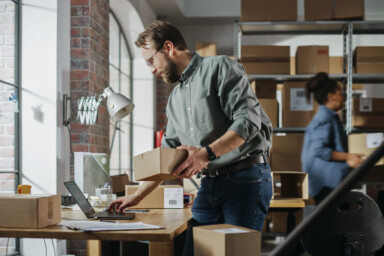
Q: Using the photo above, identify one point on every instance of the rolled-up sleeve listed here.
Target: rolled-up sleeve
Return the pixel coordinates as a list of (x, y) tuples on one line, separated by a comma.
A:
[(321, 142), (239, 102)]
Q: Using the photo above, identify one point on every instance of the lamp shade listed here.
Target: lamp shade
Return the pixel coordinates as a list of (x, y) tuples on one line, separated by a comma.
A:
[(118, 105)]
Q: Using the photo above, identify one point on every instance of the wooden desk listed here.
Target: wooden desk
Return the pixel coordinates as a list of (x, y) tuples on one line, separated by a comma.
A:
[(160, 241), (290, 206)]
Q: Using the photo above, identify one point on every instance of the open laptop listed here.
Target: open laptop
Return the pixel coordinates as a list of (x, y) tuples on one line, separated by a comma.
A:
[(87, 208)]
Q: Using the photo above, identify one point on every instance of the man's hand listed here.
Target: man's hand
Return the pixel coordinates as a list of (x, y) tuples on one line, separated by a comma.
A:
[(354, 160), (196, 161), (121, 203)]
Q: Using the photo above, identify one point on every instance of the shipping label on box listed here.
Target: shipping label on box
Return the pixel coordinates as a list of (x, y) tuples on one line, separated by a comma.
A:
[(164, 196), (368, 113), (298, 100), (225, 239)]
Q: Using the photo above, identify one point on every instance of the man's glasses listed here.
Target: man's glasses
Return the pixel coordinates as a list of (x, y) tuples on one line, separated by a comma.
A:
[(150, 60)]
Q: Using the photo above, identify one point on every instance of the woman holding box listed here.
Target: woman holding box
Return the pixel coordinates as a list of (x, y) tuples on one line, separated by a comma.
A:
[(325, 154)]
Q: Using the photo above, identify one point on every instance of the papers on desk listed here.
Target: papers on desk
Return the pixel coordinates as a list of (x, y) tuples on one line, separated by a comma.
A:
[(89, 226)]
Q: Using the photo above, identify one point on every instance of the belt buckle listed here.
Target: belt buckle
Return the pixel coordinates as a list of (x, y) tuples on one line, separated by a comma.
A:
[(213, 174)]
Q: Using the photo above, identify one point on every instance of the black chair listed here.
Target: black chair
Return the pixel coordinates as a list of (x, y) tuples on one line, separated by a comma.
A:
[(355, 226)]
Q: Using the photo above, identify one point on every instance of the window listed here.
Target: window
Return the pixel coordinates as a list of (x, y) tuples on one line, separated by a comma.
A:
[(120, 80)]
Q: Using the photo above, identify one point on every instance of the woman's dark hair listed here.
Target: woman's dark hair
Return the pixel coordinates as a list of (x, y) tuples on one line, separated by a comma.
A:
[(159, 32), (320, 85)]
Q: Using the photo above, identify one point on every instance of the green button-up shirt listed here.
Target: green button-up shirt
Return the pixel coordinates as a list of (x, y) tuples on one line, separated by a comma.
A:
[(213, 97)]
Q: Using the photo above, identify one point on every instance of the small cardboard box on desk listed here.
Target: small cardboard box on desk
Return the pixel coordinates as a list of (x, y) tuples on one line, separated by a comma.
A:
[(226, 240), (164, 196), (29, 211)]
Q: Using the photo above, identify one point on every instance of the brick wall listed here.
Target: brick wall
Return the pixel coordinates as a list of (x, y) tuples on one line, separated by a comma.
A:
[(90, 69), (89, 75), (7, 116), (162, 94), (7, 73)]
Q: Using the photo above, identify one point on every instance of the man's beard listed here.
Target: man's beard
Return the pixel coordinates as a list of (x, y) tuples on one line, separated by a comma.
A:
[(171, 75)]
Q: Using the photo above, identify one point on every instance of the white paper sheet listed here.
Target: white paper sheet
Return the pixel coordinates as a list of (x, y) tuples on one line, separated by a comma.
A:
[(87, 226)]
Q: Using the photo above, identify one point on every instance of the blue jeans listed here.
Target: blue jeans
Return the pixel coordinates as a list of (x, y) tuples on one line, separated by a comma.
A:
[(239, 198)]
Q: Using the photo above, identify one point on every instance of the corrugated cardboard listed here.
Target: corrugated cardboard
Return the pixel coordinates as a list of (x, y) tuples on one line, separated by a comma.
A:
[(259, 10), (158, 164), (368, 59), (365, 144), (278, 221), (119, 182), (290, 185), (286, 152), (157, 197), (334, 9), (271, 108), (206, 48), (29, 211), (265, 59), (368, 113), (264, 89), (218, 240), (295, 105), (335, 65), (312, 59)]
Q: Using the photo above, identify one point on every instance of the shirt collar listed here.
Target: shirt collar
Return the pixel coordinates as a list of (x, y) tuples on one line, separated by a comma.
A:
[(328, 110), (191, 68)]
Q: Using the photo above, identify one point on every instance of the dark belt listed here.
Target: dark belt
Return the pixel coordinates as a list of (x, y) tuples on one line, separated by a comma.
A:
[(242, 164)]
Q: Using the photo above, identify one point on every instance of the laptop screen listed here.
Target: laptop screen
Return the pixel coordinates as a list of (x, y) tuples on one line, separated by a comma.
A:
[(79, 197)]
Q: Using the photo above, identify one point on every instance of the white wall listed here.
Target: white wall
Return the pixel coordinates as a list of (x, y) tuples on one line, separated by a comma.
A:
[(44, 77)]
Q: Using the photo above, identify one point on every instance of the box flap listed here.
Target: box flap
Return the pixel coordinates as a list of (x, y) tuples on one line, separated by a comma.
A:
[(369, 53)]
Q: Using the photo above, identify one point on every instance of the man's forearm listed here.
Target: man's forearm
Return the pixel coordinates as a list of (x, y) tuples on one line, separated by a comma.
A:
[(146, 188), (226, 143)]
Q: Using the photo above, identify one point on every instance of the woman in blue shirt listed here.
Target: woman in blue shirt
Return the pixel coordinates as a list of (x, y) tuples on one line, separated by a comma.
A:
[(324, 155)]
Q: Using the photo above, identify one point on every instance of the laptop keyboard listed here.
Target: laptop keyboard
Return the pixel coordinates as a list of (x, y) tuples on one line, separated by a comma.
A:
[(108, 214)]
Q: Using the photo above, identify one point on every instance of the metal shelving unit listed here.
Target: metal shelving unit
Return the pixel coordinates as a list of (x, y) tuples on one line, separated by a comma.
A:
[(344, 28)]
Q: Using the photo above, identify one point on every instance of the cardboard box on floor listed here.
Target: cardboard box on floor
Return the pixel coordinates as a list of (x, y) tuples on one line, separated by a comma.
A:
[(334, 9), (226, 240), (206, 48), (265, 59), (286, 152), (297, 111), (368, 60), (29, 211), (164, 196), (271, 108), (158, 164), (312, 59), (368, 113), (290, 185), (366, 143), (277, 10)]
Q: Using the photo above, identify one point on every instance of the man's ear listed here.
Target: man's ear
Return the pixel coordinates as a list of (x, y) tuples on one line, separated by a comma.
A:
[(169, 48)]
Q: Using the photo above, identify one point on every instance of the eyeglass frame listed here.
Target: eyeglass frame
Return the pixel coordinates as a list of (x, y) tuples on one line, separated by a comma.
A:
[(149, 62)]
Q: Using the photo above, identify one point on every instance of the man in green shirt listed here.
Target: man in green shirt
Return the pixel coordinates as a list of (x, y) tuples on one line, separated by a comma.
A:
[(214, 115)]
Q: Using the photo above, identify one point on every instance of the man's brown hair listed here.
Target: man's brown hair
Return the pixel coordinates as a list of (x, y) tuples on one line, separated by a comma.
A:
[(159, 32)]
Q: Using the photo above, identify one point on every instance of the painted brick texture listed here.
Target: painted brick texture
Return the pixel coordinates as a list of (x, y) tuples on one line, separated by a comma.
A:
[(89, 70)]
